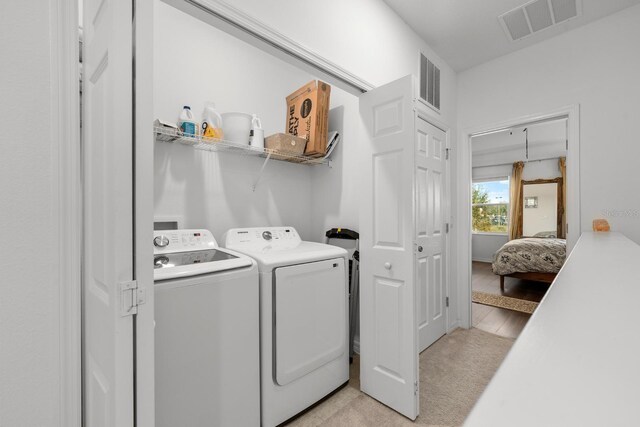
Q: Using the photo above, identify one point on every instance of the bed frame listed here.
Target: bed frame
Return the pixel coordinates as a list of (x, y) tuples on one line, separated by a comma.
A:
[(534, 277)]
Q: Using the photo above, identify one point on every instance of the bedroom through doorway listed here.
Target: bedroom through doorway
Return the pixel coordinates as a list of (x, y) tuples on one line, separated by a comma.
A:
[(518, 221)]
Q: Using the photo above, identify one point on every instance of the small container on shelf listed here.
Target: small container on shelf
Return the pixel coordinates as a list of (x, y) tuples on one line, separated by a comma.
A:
[(601, 225), (257, 133), (286, 144), (166, 131), (188, 124), (211, 123)]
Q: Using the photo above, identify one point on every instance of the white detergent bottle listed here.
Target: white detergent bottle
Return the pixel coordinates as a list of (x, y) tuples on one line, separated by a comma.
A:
[(211, 122), (188, 124), (257, 133)]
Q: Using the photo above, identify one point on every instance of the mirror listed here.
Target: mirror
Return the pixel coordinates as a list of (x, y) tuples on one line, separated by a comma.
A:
[(541, 208)]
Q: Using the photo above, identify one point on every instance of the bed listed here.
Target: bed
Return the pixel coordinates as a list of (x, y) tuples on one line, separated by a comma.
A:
[(530, 258)]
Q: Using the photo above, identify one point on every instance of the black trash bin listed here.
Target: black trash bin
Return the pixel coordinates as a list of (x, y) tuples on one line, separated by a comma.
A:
[(349, 240)]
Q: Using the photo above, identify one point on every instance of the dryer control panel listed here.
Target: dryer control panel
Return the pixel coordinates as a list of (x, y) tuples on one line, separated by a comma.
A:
[(255, 239), (172, 241)]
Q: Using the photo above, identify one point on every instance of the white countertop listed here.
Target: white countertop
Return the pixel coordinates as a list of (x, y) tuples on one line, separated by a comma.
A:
[(577, 362)]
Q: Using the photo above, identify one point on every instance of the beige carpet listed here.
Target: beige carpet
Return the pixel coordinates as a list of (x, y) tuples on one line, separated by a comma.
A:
[(501, 301), (453, 373)]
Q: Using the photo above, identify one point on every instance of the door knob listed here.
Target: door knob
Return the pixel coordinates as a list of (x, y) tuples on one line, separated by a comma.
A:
[(387, 265), (419, 248)]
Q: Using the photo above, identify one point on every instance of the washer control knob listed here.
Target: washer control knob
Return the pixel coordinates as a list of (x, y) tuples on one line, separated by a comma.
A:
[(267, 235), (387, 265), (161, 241)]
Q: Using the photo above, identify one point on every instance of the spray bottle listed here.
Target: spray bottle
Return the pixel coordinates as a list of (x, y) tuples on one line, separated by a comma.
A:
[(257, 133)]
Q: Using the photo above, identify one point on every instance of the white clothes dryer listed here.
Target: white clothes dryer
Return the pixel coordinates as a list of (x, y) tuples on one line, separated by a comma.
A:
[(207, 361), (303, 318)]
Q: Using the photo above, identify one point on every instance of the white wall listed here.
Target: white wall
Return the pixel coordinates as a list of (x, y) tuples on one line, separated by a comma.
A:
[(214, 190), (29, 271), (595, 66), (368, 39), (545, 169), (484, 246), (335, 190), (544, 217), (332, 194)]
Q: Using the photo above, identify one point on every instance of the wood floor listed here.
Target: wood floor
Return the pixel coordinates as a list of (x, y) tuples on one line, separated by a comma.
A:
[(496, 320)]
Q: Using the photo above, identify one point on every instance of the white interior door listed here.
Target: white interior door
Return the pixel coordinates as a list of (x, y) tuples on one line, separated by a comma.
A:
[(388, 322), (430, 175), (108, 180)]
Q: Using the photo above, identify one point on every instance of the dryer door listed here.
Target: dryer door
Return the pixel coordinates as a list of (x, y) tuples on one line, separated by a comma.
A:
[(310, 317)]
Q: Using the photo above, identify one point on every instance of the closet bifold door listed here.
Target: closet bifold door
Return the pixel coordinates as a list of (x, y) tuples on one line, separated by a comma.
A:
[(108, 215), (388, 322)]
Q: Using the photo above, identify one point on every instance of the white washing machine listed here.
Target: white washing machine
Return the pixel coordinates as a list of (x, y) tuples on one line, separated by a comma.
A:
[(207, 360), (303, 318)]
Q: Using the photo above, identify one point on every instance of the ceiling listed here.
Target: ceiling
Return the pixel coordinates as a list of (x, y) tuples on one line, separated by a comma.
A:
[(466, 33)]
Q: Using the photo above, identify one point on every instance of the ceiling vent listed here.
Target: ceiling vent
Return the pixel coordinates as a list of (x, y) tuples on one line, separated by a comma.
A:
[(538, 15), (429, 82)]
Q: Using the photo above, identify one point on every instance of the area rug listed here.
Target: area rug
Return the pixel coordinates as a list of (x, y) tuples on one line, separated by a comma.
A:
[(501, 301)]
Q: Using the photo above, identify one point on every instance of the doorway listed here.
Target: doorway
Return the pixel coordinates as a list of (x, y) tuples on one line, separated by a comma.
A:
[(487, 202)]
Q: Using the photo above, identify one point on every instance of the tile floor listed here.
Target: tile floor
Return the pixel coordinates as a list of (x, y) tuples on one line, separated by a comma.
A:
[(454, 371)]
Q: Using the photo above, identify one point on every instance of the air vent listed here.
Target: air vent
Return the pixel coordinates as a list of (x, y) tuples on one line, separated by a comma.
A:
[(538, 15), (429, 82), (564, 9)]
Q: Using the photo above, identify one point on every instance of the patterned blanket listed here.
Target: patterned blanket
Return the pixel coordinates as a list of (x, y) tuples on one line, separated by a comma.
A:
[(530, 255)]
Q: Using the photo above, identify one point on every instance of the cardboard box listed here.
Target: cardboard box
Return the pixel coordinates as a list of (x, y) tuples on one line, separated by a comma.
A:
[(308, 116), (285, 143)]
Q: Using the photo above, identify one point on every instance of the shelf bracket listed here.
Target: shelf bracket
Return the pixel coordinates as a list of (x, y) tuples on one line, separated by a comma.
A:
[(255, 184)]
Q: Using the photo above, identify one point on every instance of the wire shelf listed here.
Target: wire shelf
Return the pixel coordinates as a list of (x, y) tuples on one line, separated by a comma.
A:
[(169, 135)]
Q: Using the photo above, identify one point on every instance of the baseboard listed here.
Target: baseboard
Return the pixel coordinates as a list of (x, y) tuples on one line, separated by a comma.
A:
[(482, 260)]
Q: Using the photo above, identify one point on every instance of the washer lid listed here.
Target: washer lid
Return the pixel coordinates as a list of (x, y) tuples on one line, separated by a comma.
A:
[(274, 247), (192, 263)]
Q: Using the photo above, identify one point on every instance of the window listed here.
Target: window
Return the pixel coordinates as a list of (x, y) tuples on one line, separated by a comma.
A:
[(490, 206)]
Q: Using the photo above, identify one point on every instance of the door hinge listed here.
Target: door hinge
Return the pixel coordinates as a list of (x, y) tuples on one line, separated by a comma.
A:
[(446, 227), (446, 301), (446, 153), (415, 388), (131, 296)]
